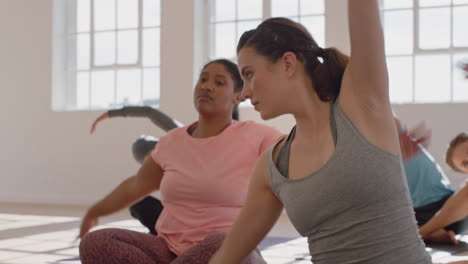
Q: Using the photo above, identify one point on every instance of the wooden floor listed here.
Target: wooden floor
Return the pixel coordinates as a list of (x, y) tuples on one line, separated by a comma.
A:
[(47, 234)]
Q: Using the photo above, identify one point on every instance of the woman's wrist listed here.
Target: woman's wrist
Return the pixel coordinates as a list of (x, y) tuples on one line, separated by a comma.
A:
[(93, 212)]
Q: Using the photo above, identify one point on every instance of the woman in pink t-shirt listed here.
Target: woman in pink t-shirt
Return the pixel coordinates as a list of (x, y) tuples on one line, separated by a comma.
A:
[(202, 171)]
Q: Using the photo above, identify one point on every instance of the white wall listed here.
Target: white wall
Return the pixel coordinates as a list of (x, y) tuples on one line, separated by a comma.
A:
[(49, 157), (46, 156)]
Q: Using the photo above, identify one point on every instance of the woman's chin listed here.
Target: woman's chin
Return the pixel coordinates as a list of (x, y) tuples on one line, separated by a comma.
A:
[(270, 113), (265, 115), (203, 107), (207, 111)]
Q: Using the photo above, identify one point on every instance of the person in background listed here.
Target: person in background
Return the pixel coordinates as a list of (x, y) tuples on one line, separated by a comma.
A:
[(441, 212), (456, 156), (148, 209), (202, 171)]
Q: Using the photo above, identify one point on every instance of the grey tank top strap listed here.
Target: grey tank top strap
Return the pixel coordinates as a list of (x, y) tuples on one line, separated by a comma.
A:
[(354, 209), (282, 162)]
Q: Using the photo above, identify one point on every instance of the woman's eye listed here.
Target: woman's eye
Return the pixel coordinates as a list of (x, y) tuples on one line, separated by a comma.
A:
[(220, 83)]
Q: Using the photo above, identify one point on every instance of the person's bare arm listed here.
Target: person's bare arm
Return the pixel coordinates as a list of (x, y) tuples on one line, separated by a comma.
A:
[(156, 116), (364, 95), (257, 217), (147, 179), (100, 118), (367, 65), (412, 141)]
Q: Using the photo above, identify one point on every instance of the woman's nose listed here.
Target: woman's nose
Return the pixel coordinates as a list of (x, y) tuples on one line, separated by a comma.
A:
[(245, 93), (207, 87)]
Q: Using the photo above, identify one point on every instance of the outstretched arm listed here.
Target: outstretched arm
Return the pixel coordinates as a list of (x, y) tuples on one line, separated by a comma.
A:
[(364, 95), (258, 215), (105, 115), (129, 191), (412, 141), (159, 118), (367, 65)]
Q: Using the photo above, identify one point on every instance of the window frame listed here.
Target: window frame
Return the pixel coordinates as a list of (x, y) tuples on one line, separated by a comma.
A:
[(209, 23), (451, 51), (66, 69)]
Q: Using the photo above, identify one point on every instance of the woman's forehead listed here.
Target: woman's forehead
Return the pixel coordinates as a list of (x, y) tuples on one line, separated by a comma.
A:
[(246, 54), (459, 153), (215, 69)]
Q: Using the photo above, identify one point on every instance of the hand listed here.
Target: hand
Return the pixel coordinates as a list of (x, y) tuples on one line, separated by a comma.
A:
[(410, 141), (421, 134), (99, 119), (409, 148), (89, 221)]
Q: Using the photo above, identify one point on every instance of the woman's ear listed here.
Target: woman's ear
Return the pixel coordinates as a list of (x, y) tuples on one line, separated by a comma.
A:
[(290, 63)]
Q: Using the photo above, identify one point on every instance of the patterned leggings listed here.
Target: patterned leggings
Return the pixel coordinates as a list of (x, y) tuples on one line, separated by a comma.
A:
[(112, 246)]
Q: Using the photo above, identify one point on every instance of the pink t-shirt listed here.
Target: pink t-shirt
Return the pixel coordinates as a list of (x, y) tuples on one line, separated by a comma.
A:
[(205, 180)]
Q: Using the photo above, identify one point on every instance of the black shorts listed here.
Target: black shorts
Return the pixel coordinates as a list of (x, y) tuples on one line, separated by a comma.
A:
[(426, 212)]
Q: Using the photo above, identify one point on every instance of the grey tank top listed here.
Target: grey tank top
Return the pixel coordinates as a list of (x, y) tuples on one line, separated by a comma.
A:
[(354, 209)]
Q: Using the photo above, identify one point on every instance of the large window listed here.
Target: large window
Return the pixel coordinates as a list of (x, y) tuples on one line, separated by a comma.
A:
[(425, 42), (112, 53), (230, 18)]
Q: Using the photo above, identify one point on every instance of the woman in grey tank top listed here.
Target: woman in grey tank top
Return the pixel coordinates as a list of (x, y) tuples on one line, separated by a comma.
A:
[(339, 174)]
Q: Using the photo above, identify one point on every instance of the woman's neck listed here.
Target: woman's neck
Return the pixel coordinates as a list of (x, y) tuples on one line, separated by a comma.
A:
[(210, 126), (312, 116), (310, 112)]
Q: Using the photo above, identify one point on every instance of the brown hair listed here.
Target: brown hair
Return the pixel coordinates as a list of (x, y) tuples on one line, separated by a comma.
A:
[(459, 139), (276, 36)]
